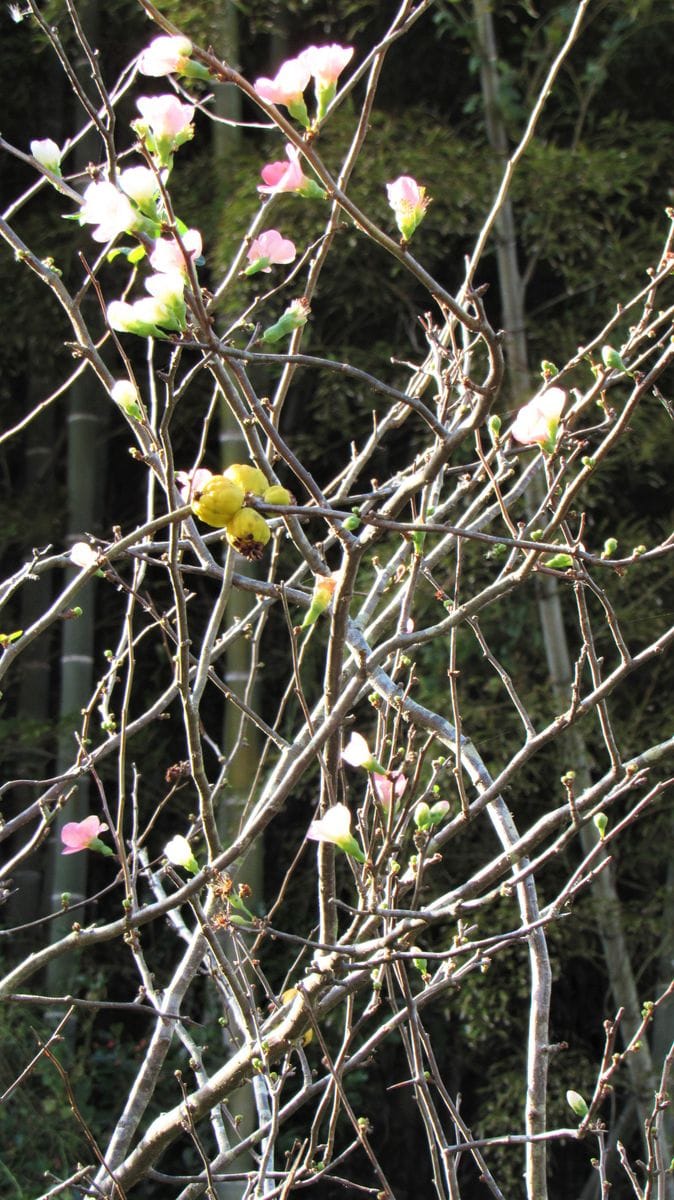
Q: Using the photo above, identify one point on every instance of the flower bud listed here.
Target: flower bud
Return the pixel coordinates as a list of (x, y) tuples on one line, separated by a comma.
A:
[(47, 154), (600, 822), (179, 852), (125, 395), (277, 494), (611, 359), (576, 1102)]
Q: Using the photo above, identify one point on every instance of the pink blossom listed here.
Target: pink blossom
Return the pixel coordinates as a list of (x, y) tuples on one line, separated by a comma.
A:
[(165, 56), (165, 115), (326, 63), (409, 203), (79, 835), (167, 255), (538, 421), (270, 247), (287, 86), (191, 483), (104, 205), (389, 788), (284, 176)]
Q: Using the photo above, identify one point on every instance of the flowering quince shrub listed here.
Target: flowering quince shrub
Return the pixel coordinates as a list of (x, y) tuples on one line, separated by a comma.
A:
[(369, 580)]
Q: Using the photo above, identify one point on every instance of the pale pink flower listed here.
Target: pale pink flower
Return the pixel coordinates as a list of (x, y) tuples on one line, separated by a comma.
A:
[(326, 63), (79, 835), (104, 205), (357, 754), (409, 203), (165, 56), (83, 555), (165, 115), (284, 176), (167, 255), (538, 421), (335, 827), (140, 183), (191, 483), (287, 86), (389, 788), (270, 247)]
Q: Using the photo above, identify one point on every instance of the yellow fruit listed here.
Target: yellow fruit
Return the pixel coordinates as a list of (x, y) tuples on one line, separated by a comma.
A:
[(248, 533), (287, 997), (278, 495), (217, 501), (249, 478)]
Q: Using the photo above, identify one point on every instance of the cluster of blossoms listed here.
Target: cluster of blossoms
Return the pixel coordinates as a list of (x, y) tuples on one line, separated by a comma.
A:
[(322, 63), (219, 500), (134, 201)]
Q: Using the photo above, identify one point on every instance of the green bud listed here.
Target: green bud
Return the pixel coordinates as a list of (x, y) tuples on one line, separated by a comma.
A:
[(438, 812), (536, 535), (294, 317), (494, 428), (560, 561), (418, 539), (610, 547), (588, 462), (600, 822), (422, 816), (498, 551), (548, 369), (612, 359), (576, 1102), (353, 522)]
